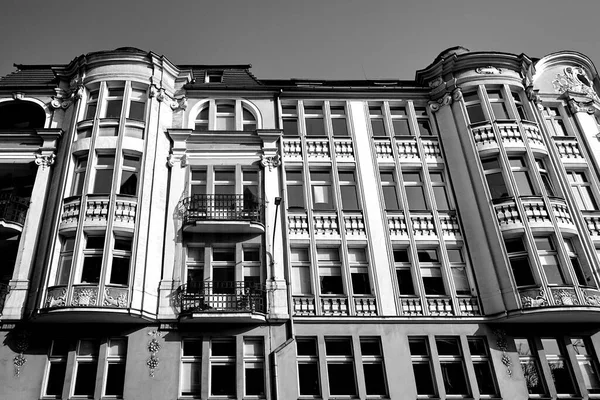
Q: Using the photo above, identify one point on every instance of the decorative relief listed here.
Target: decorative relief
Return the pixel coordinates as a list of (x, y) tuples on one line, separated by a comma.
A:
[(56, 298), (85, 297), (592, 297), (533, 96), (18, 96), (445, 100), (44, 161), (179, 104), (115, 297), (489, 70), (581, 106), (64, 98), (565, 297), (574, 79), (503, 346), (270, 161), (153, 347), (436, 82), (21, 345), (530, 302)]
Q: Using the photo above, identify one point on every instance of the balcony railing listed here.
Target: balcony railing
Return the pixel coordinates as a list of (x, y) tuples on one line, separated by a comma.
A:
[(222, 296), (222, 207), (13, 208)]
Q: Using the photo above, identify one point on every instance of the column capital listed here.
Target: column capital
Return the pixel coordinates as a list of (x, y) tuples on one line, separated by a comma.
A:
[(269, 160), (45, 160)]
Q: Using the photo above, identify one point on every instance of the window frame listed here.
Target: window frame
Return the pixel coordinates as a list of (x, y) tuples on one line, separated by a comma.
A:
[(337, 359), (583, 192), (112, 359), (191, 360)]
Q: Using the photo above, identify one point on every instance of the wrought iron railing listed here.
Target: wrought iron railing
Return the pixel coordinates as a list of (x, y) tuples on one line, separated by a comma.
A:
[(4, 289), (226, 207), (13, 208), (222, 296)]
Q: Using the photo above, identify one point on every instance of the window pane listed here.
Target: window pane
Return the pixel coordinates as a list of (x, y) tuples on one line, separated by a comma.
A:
[(533, 378), (103, 181), (113, 108), (522, 271), (448, 346), (423, 378), (405, 283), (441, 198), (391, 198), (475, 113), (378, 127), (331, 285), (401, 255), (129, 180), (225, 123), (91, 269), (223, 380), (523, 183), (416, 198), (485, 378), (119, 274), (315, 127), (340, 128), (401, 127), (428, 255), (552, 270), (499, 110), (306, 347), (255, 380), (290, 127), (370, 347), (115, 380), (191, 378), (561, 376), (56, 379), (342, 380), (85, 381), (223, 348), (375, 379), (301, 280), (136, 110), (418, 346), (349, 197), (434, 285), (322, 199), (308, 375), (454, 377), (338, 347), (223, 254), (424, 127), (295, 196), (496, 184), (461, 282), (360, 283)]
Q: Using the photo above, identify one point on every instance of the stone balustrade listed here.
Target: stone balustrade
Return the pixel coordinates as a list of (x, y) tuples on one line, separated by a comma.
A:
[(125, 212), (397, 225), (365, 306), (432, 150), (422, 225), (96, 210), (298, 224), (292, 149), (411, 306), (440, 306), (508, 215), (326, 224), (344, 149), (318, 149), (536, 212), (562, 215), (468, 306), (334, 306), (483, 135), (592, 219), (304, 305), (510, 134), (70, 214), (532, 133), (383, 150), (569, 149), (449, 226), (407, 149), (354, 226)]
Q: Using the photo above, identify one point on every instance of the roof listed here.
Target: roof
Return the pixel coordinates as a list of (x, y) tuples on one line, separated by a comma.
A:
[(30, 76), (233, 75)]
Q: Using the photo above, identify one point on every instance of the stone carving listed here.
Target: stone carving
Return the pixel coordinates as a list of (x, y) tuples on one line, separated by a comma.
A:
[(270, 162), (564, 297), (85, 297), (154, 347), (489, 70), (575, 79), (436, 82), (21, 344), (179, 104), (18, 96), (457, 94), (503, 346), (119, 300), (581, 106), (593, 300), (44, 160), (57, 298), (539, 301)]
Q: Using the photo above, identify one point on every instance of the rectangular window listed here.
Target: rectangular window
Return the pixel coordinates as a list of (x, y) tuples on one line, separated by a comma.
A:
[(195, 269), (390, 195), (555, 122), (92, 259), (103, 176), (225, 116), (214, 77), (562, 375), (340, 367), (429, 263), (582, 279), (321, 190), (544, 174), (330, 275), (494, 178), (92, 102), (474, 108), (519, 262), (548, 257), (290, 119), (79, 175), (439, 190), (119, 271), (582, 190), (308, 366), (223, 270), (251, 265), (295, 189), (357, 260), (115, 367), (497, 102), (113, 102), (129, 175), (482, 365), (531, 366), (420, 357), (452, 365), (86, 367), (222, 367), (400, 122), (191, 367), (338, 119), (519, 105), (459, 272), (403, 272), (372, 361), (65, 261), (520, 171), (415, 193), (348, 191), (198, 185), (57, 367), (423, 123), (587, 363), (377, 119), (314, 119), (254, 367), (300, 271), (137, 103)]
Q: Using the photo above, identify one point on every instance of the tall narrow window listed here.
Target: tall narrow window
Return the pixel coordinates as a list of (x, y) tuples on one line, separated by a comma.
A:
[(137, 103), (92, 102), (314, 119), (308, 366), (254, 367), (439, 190), (423, 122), (415, 193), (452, 365), (330, 275), (198, 182), (92, 259), (225, 116), (562, 375), (300, 271), (340, 367), (250, 192), (459, 273), (548, 257), (357, 260), (338, 119), (295, 189), (582, 190), (520, 171), (420, 357), (57, 367), (400, 122), (201, 123), (494, 178), (224, 201), (544, 174), (377, 119), (223, 270), (519, 105), (348, 191), (390, 195), (474, 108), (129, 175), (191, 367), (482, 365), (290, 119), (403, 272), (115, 367), (86, 367), (114, 100), (251, 260), (497, 101), (555, 121), (531, 366), (195, 269), (372, 361), (248, 120), (103, 177), (587, 363), (65, 261), (119, 272), (582, 280), (519, 262), (79, 175), (321, 190), (222, 367), (429, 263)]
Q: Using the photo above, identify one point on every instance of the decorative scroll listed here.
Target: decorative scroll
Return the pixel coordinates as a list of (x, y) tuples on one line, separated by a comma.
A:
[(574, 79)]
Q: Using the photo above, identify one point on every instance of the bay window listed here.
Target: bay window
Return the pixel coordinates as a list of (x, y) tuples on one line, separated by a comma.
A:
[(519, 262), (314, 119), (548, 257), (520, 171), (92, 258), (129, 175), (494, 178), (415, 191), (103, 173), (400, 120), (582, 190)]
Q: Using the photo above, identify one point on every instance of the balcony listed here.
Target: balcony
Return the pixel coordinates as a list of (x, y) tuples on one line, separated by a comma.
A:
[(564, 303), (222, 213), (223, 301), (13, 210)]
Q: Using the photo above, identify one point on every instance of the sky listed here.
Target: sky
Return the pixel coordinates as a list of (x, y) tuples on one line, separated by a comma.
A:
[(326, 39)]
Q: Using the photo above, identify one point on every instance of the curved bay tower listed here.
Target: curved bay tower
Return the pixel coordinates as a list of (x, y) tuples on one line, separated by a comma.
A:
[(191, 231)]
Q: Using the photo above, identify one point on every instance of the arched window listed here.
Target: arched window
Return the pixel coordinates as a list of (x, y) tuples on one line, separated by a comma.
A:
[(21, 115), (226, 115)]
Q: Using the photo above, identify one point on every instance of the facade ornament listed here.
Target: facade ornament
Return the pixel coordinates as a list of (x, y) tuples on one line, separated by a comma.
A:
[(179, 104), (21, 344), (565, 297), (18, 96), (270, 162), (489, 70), (154, 347), (593, 300), (503, 346), (445, 100), (172, 159), (581, 106), (436, 82), (45, 160), (457, 94), (153, 91), (574, 79), (539, 301)]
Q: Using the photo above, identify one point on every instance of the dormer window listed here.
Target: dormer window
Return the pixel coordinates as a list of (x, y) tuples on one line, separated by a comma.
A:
[(214, 77)]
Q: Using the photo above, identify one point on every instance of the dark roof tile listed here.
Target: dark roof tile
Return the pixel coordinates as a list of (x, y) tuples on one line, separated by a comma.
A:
[(28, 77)]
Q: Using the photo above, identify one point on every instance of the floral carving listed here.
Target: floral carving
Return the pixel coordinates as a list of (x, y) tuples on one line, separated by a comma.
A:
[(539, 301), (21, 344), (489, 70), (593, 300), (270, 161), (564, 297), (57, 298), (120, 300), (85, 297), (574, 79), (503, 346), (154, 347), (44, 160)]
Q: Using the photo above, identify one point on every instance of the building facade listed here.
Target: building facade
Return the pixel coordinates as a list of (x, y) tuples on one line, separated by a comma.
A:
[(191, 231)]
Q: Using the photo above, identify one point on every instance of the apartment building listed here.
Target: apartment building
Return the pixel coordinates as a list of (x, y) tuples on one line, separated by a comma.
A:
[(192, 231)]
